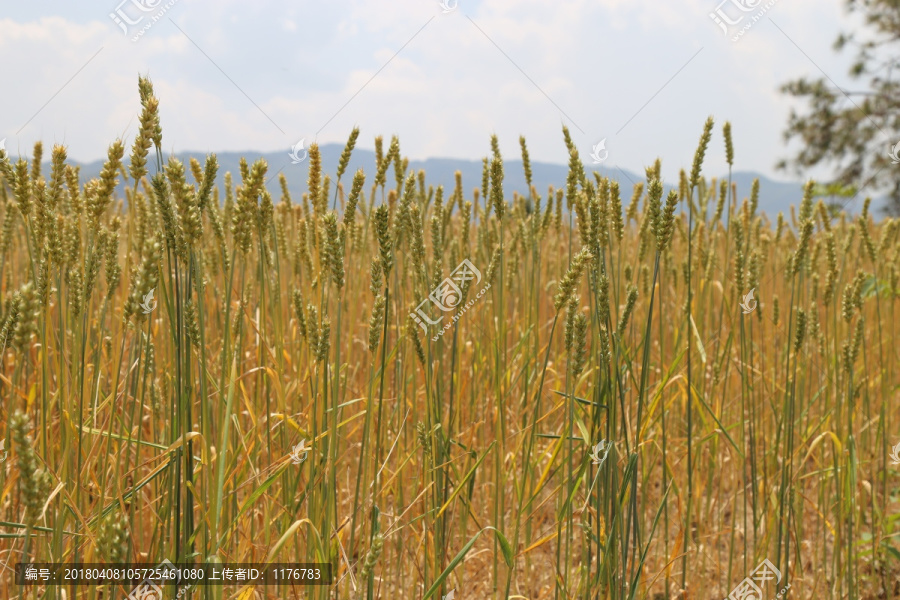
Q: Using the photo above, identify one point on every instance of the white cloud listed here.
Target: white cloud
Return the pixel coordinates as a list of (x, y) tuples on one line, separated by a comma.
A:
[(445, 93)]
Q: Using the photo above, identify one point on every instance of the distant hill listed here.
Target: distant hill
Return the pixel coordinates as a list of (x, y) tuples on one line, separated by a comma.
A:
[(774, 196)]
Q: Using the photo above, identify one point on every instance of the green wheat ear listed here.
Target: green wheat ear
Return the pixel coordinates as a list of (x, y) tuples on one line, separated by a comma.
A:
[(701, 153), (568, 283), (34, 482)]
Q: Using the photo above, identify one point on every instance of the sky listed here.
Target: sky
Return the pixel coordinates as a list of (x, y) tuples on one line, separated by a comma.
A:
[(640, 76)]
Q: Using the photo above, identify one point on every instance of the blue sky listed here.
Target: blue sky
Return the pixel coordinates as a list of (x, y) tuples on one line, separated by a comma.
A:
[(231, 75)]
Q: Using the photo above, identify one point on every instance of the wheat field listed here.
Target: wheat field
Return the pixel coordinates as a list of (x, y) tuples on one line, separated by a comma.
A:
[(582, 392)]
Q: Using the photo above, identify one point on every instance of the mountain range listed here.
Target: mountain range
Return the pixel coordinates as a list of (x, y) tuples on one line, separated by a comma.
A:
[(774, 196)]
